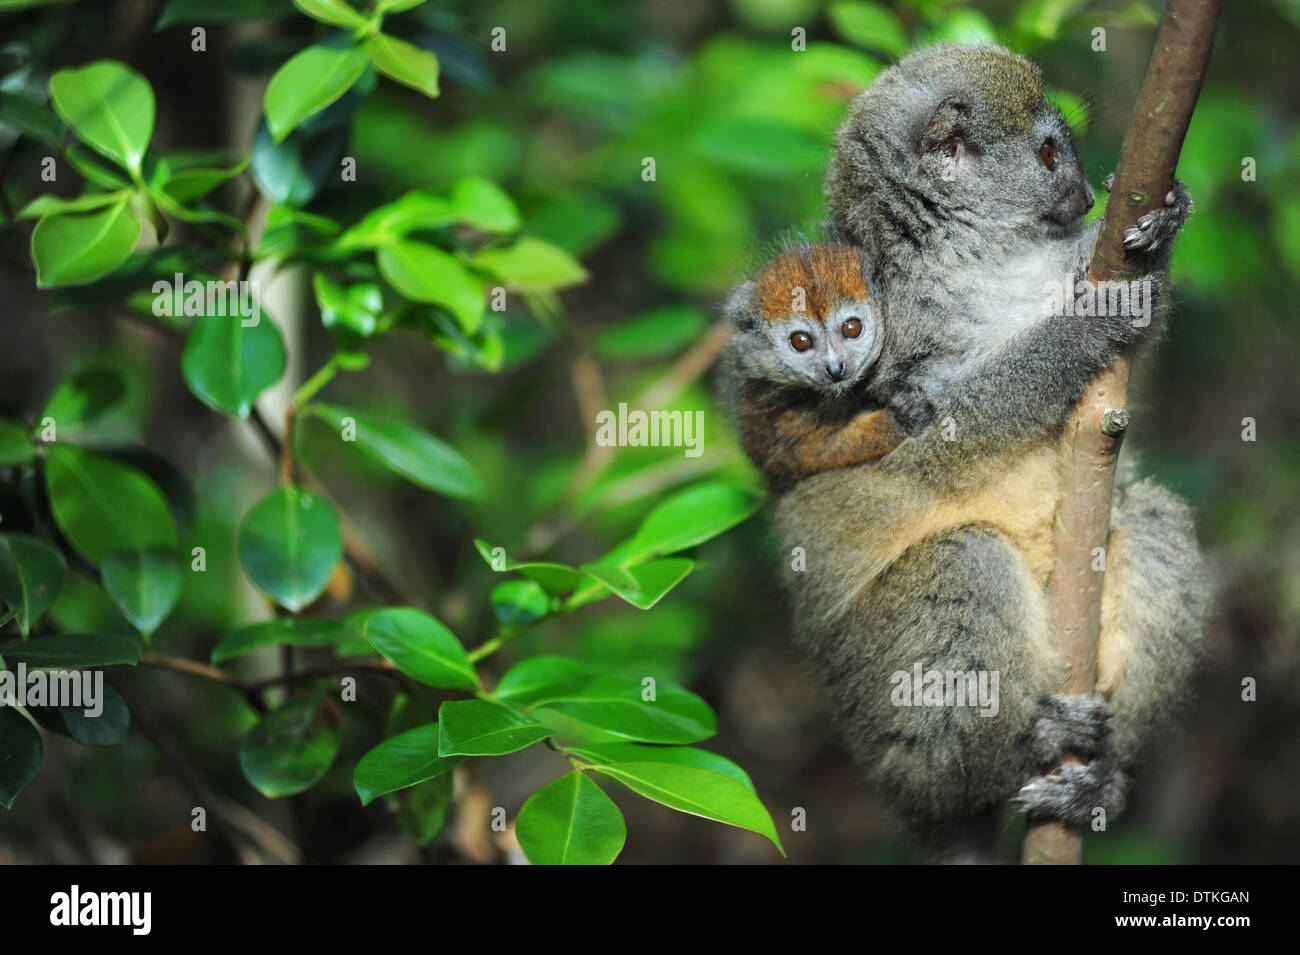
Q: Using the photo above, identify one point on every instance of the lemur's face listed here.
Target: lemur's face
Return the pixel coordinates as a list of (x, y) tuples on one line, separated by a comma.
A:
[(830, 352)]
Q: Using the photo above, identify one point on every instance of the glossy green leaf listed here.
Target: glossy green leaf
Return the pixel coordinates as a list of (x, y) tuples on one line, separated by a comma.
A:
[(614, 704), (77, 249), (480, 203), (110, 107), (531, 264), (571, 822), (538, 677), (517, 603), (31, 118), (397, 6), (190, 185), (22, 749), (485, 728), (228, 365), (71, 651), (407, 451), (84, 397), (422, 810), (350, 313), (421, 647), (398, 762), (145, 585), (393, 220), (869, 25), (554, 578), (290, 748), (289, 543), (108, 728), (700, 792), (644, 585), (308, 83), (292, 171), (652, 334), (692, 517), (31, 573), (407, 64), (103, 505), (425, 273), (50, 204), (614, 753), (334, 12), (281, 631), (16, 447)]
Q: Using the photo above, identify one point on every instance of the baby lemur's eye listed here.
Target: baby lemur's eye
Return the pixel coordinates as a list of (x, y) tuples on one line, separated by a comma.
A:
[(801, 341), (1047, 153), (852, 328)]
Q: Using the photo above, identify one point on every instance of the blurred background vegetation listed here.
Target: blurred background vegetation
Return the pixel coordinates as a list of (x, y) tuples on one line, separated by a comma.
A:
[(739, 126)]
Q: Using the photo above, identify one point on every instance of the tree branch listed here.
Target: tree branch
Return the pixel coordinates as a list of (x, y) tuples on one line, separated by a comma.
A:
[(1144, 175)]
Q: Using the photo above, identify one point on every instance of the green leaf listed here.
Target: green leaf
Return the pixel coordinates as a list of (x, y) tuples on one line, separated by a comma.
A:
[(614, 705), (531, 264), (614, 753), (425, 273), (228, 365), (282, 631), (554, 578), (407, 451), (31, 118), (692, 517), (403, 760), (407, 64), (228, 11), (397, 6), (145, 585), (334, 12), (308, 83), (104, 506), (868, 25), (421, 647), (190, 185), (571, 822), (387, 223), (77, 249), (290, 748), (480, 203), (518, 603), (289, 543), (31, 573), (652, 334), (700, 792), (351, 314), (21, 746), (106, 729), (538, 677), (292, 171), (422, 810), (84, 397), (50, 204), (71, 651), (485, 728), (648, 583), (110, 106), (16, 448)]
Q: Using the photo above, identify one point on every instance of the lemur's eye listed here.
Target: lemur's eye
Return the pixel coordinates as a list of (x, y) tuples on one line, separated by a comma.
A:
[(801, 341), (852, 328), (1047, 153)]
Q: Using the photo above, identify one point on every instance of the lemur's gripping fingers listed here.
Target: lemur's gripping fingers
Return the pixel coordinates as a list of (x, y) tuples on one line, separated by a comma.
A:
[(1069, 724), (912, 410), (1108, 182), (1159, 227), (1073, 792)]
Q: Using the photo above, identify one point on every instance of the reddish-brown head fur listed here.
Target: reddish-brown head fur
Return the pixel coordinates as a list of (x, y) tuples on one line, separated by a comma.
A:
[(828, 272)]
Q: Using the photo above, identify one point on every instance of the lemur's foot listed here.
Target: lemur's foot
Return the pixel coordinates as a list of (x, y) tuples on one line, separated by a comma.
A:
[(1074, 791), (1069, 724), (1159, 227), (912, 410)]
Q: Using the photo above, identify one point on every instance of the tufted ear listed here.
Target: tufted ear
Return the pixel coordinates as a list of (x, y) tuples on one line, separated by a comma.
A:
[(742, 309), (945, 132)]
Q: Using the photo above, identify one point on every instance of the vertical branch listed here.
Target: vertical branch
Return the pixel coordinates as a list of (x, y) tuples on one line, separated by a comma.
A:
[(1144, 175)]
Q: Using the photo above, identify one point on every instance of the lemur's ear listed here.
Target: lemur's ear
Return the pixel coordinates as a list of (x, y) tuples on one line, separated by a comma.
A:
[(945, 132), (742, 309)]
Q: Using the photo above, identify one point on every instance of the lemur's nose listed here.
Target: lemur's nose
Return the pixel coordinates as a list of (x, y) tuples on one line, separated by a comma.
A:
[(835, 368)]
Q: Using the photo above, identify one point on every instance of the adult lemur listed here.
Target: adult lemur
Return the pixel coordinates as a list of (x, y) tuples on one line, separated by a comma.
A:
[(961, 183)]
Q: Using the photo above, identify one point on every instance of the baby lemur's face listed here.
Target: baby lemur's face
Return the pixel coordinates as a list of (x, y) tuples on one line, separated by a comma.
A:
[(807, 320)]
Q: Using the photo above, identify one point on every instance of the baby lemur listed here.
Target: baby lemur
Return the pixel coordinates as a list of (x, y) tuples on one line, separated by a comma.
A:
[(807, 339), (960, 182)]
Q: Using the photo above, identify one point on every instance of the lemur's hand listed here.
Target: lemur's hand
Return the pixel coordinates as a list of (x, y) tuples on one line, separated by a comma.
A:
[(1069, 724), (1073, 791), (911, 410), (1158, 228)]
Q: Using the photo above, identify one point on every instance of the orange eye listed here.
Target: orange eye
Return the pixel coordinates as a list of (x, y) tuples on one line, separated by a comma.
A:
[(1047, 153), (852, 328), (801, 341)]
